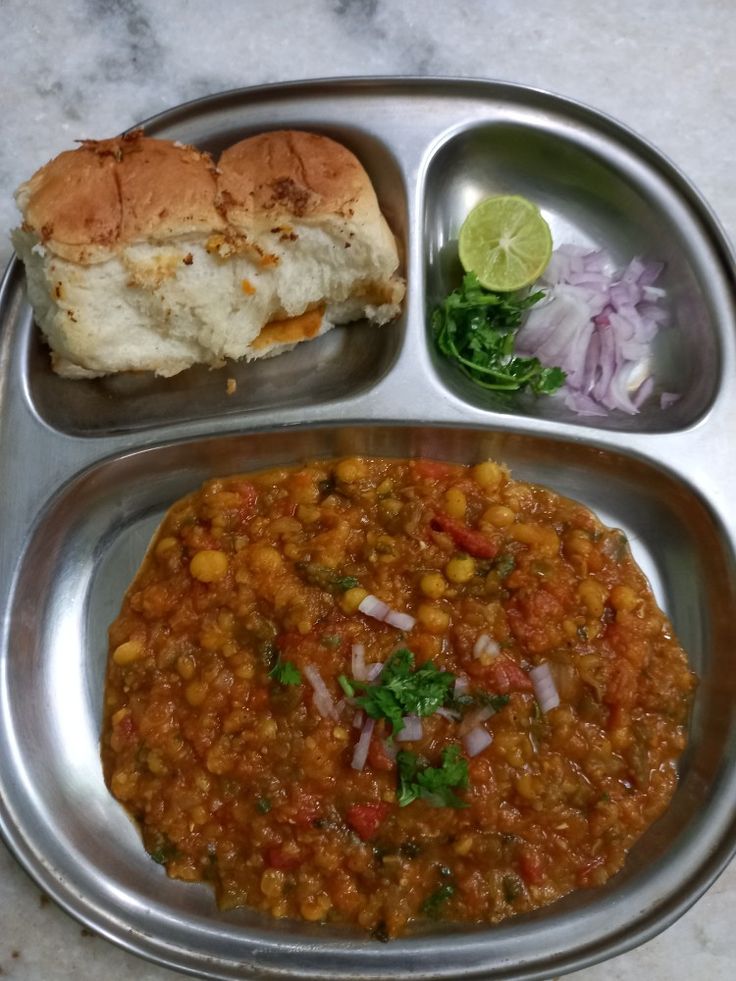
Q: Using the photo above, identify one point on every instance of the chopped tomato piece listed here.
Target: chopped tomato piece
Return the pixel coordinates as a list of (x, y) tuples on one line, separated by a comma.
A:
[(126, 726), (502, 675), (366, 819), (284, 858), (124, 730), (531, 866), (510, 677), (433, 469), (466, 539), (249, 495), (587, 874), (307, 809)]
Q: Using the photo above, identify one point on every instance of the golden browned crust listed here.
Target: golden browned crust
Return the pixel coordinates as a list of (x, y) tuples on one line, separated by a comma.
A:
[(166, 189), (291, 174), (107, 194), (74, 200), (87, 202)]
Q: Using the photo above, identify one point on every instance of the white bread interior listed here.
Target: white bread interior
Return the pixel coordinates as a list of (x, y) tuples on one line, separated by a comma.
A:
[(205, 286)]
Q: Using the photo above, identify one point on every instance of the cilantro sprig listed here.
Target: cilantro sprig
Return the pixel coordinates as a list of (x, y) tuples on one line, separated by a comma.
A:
[(476, 329), (478, 699), (285, 672), (404, 691), (434, 784), (433, 904)]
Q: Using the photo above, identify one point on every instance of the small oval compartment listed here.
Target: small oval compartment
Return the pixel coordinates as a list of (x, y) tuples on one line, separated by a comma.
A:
[(343, 363), (84, 550), (598, 186)]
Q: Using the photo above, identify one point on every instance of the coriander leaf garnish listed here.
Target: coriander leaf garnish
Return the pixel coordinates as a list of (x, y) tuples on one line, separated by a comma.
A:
[(434, 784), (285, 672), (433, 903), (162, 849), (505, 564), (478, 699), (476, 328), (325, 577), (403, 691)]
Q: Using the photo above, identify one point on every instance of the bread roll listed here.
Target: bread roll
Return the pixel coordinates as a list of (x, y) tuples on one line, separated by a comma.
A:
[(141, 254)]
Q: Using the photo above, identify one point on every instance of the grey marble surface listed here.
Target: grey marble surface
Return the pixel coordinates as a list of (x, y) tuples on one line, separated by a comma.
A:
[(89, 68)]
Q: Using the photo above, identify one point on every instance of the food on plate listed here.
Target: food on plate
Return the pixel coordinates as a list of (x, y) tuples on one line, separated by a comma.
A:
[(585, 330), (598, 323), (506, 242), (142, 254), (378, 691), (476, 329)]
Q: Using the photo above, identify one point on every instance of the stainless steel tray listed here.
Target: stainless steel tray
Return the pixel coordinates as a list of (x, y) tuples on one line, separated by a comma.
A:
[(87, 469)]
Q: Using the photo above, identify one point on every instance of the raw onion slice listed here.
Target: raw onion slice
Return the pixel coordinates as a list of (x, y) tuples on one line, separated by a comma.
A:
[(323, 700), (598, 326), (360, 753), (412, 730), (486, 646), (450, 714), (545, 689), (462, 684), (373, 670), (372, 606), (666, 399), (476, 740), (358, 719), (474, 718), (402, 621), (358, 662)]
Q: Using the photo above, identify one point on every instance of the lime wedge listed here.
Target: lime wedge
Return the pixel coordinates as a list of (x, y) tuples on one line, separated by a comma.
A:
[(506, 242)]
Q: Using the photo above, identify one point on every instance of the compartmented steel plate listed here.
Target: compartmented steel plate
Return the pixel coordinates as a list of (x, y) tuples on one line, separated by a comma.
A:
[(89, 467)]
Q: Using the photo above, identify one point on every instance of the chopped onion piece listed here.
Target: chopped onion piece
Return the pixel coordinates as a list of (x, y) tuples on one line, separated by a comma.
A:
[(323, 700), (476, 740), (358, 719), (597, 324), (475, 717), (373, 670), (545, 689), (360, 754), (448, 714), (666, 399), (486, 646), (462, 684), (402, 621), (372, 606), (358, 662), (389, 749), (412, 730)]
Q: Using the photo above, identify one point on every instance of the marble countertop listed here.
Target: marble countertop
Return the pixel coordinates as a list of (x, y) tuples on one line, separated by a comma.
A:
[(90, 68)]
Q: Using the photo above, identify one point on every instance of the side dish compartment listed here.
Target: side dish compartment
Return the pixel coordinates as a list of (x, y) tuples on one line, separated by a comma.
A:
[(593, 193), (345, 362)]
